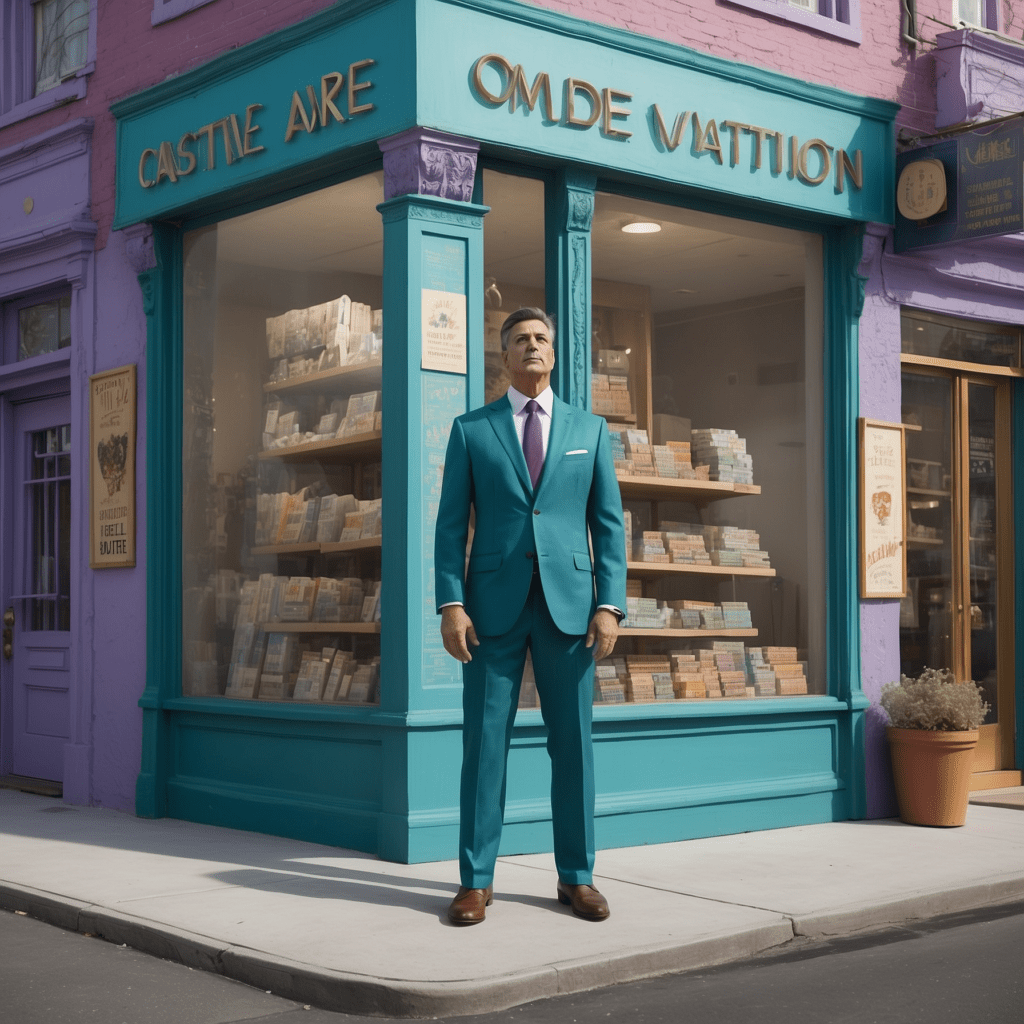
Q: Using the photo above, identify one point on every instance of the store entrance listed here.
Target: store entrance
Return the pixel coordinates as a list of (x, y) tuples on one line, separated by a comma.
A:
[(958, 612), (38, 611)]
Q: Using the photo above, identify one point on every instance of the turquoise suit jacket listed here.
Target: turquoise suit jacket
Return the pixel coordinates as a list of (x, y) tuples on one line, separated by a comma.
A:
[(485, 468)]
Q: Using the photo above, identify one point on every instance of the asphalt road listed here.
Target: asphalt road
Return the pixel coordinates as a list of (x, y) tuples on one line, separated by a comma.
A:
[(963, 969)]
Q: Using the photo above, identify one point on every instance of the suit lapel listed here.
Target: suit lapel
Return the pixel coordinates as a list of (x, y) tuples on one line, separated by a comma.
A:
[(500, 415), (561, 415)]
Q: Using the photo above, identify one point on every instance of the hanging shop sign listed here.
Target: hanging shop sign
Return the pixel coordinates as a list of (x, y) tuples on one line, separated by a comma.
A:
[(979, 178), (882, 509), (112, 468)]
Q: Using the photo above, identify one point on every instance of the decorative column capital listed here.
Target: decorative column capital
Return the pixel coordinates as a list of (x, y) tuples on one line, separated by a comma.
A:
[(138, 247), (429, 163)]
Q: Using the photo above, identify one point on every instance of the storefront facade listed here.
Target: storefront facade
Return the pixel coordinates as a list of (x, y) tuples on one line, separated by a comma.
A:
[(339, 215), (941, 350)]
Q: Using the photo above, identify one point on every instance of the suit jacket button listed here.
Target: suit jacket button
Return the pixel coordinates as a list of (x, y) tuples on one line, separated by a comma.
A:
[(536, 511)]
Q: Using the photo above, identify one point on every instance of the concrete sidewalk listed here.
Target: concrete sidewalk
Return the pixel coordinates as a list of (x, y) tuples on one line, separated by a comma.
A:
[(345, 931)]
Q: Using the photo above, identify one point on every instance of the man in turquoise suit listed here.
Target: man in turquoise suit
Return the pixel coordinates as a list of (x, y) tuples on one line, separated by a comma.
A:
[(540, 476)]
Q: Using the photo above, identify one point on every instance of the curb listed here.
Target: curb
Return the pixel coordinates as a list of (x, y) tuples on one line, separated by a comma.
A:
[(352, 993)]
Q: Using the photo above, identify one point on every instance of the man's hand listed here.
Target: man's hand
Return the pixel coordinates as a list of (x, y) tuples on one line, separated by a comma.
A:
[(604, 629), (456, 630)]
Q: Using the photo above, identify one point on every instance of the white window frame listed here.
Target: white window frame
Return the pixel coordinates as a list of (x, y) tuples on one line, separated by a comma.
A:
[(56, 79), (989, 15), (167, 10), (17, 65), (838, 18)]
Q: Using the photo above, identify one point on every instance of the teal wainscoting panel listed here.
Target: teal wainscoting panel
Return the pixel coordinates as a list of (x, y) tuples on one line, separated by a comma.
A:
[(320, 782)]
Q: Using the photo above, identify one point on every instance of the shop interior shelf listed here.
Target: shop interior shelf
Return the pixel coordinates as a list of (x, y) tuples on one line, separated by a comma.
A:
[(321, 627), (658, 488), (648, 569), (694, 634), (354, 378), (925, 542), (322, 547), (924, 492), (357, 446)]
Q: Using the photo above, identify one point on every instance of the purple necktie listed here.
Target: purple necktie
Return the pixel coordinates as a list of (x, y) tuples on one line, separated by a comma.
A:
[(533, 444)]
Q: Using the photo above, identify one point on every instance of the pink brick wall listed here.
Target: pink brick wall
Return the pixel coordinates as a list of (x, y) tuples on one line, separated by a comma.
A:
[(132, 54)]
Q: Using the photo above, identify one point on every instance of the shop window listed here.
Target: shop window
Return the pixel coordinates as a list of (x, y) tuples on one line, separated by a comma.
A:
[(165, 10), (938, 337), (47, 49), (839, 18), (707, 366), (282, 427)]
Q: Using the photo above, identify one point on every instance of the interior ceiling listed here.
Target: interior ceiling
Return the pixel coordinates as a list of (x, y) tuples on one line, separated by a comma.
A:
[(696, 259)]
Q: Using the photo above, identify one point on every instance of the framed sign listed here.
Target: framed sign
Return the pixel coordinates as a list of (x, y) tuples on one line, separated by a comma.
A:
[(882, 506), (112, 468)]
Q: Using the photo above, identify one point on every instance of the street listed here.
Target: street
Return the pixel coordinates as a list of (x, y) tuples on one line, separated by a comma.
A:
[(964, 968)]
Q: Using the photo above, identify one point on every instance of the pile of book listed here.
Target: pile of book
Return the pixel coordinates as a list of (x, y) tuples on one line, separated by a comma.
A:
[(609, 395), (295, 599), (634, 455), (306, 518), (790, 674), (346, 418), (734, 546), (676, 542), (649, 678), (336, 333), (645, 613), (687, 675), (724, 453), (281, 669), (610, 681)]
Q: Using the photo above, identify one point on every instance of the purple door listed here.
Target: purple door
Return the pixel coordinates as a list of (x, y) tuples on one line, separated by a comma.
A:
[(41, 585)]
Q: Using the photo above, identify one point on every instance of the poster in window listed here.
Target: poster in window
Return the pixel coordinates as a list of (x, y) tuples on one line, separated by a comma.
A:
[(112, 468), (882, 504)]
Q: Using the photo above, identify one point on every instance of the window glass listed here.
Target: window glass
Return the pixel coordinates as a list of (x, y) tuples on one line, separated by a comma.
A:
[(61, 38), (44, 327), (707, 365), (281, 535), (925, 334)]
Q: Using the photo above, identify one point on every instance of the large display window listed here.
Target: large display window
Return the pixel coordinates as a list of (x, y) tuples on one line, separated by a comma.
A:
[(281, 460), (707, 365)]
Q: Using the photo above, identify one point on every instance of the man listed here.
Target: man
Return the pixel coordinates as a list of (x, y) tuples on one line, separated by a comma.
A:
[(540, 477)]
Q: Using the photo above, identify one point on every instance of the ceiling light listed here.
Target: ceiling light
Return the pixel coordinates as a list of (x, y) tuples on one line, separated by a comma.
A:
[(641, 227)]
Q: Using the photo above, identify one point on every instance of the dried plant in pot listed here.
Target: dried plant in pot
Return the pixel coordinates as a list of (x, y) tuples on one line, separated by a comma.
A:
[(934, 722)]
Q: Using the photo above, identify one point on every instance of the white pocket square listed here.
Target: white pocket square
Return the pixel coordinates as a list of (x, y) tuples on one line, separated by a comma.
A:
[(578, 451)]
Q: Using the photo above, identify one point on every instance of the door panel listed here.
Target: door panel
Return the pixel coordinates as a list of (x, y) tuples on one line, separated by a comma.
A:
[(41, 663)]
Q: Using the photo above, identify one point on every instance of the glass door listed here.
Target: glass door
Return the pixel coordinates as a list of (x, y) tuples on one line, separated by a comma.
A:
[(958, 612)]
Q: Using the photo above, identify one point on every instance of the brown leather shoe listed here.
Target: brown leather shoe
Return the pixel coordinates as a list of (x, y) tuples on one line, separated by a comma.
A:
[(585, 900), (468, 905)]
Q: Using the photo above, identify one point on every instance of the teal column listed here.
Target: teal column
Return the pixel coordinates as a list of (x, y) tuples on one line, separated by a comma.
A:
[(161, 291), (569, 211), (844, 301), (433, 290)]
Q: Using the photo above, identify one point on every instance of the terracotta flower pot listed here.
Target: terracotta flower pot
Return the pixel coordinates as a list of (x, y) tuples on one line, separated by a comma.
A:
[(932, 772)]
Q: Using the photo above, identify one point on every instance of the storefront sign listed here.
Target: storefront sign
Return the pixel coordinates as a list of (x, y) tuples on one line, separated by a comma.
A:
[(309, 111), (983, 182), (112, 468), (883, 547), (498, 82)]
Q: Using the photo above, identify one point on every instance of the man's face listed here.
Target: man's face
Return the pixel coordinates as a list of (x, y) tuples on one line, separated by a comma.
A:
[(530, 357)]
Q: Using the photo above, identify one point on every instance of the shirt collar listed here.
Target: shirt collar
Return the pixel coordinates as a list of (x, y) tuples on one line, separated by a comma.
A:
[(546, 399)]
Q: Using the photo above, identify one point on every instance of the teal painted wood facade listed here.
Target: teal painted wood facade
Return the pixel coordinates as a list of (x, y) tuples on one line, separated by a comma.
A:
[(385, 779)]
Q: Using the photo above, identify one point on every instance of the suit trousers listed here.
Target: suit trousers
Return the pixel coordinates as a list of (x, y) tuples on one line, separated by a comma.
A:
[(564, 669)]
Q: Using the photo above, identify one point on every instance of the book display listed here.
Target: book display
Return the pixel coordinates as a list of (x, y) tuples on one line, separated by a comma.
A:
[(299, 620)]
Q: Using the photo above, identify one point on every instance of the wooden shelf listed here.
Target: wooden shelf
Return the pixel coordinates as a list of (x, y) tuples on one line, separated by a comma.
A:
[(689, 634), (321, 627), (660, 488), (925, 542), (357, 376), (923, 492), (648, 570), (323, 547), (357, 446)]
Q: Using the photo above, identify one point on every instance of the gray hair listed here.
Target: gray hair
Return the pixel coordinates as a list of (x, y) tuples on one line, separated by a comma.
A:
[(526, 313)]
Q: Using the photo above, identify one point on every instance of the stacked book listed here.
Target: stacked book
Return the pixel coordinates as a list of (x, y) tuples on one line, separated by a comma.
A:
[(790, 675), (735, 546), (649, 678), (685, 543), (609, 395), (321, 337), (761, 673), (736, 615), (687, 680), (724, 453), (686, 614), (300, 519), (650, 547), (644, 613), (638, 452), (610, 681)]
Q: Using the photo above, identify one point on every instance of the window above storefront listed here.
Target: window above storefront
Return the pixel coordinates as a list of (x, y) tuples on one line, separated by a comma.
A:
[(930, 335), (840, 18)]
